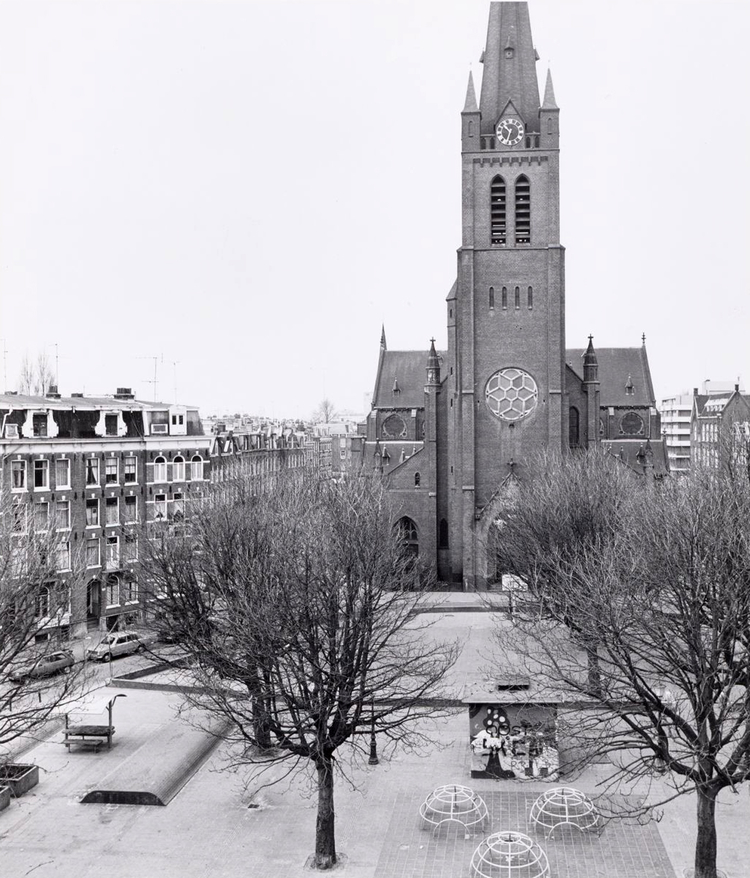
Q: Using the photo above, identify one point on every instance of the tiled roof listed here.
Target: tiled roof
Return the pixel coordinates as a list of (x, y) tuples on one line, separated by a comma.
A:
[(630, 452), (616, 365), (408, 371)]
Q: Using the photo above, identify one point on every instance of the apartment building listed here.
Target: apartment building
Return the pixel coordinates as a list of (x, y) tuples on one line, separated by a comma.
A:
[(92, 470)]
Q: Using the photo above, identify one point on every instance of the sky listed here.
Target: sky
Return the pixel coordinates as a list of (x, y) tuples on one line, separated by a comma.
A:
[(233, 197)]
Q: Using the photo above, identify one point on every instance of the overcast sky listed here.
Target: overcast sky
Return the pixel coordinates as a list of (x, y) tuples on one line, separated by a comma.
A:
[(246, 190)]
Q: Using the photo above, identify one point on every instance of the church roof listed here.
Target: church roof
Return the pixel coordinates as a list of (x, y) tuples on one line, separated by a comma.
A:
[(402, 376), (618, 368), (632, 452), (509, 67)]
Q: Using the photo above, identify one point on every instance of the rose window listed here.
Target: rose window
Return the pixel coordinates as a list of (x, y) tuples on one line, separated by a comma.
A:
[(511, 394), (631, 424), (394, 427)]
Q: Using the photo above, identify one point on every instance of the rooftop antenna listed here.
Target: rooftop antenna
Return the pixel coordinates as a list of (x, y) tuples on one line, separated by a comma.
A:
[(155, 380), (5, 366), (174, 370)]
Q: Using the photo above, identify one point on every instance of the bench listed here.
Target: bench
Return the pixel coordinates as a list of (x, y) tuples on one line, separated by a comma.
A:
[(89, 730)]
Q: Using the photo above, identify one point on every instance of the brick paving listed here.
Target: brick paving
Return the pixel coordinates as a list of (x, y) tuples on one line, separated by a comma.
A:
[(622, 850)]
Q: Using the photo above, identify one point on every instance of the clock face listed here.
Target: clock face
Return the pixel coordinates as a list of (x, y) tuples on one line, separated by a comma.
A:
[(509, 131)]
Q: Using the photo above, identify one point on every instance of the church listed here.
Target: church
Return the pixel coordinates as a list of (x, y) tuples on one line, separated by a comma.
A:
[(451, 429)]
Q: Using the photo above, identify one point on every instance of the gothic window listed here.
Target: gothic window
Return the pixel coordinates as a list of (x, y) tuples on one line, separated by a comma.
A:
[(417, 480), (394, 427), (497, 211), (407, 534), (504, 296), (632, 424), (523, 210), (530, 298), (517, 297), (443, 534), (574, 428), (492, 298)]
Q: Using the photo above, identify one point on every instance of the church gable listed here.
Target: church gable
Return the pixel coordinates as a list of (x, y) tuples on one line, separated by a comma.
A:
[(624, 376), (401, 379)]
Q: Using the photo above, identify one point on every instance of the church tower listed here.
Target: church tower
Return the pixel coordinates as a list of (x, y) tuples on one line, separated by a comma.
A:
[(506, 312)]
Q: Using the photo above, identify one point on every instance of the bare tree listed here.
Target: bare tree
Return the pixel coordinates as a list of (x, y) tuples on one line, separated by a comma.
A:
[(325, 412), (34, 602), (35, 377), (662, 594), (297, 606)]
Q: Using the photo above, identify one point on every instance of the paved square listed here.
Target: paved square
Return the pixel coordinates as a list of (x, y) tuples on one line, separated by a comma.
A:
[(623, 850)]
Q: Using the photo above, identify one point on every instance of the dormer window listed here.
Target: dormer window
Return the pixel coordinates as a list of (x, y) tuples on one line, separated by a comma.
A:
[(629, 387), (39, 423)]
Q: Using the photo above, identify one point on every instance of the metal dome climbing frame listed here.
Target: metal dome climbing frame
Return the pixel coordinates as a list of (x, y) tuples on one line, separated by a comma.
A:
[(564, 806), (453, 804), (509, 855)]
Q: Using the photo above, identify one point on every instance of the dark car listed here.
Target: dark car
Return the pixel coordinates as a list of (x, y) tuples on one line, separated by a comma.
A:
[(53, 663)]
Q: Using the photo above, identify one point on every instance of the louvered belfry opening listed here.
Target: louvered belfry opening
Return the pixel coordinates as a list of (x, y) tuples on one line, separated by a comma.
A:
[(497, 211), (523, 210)]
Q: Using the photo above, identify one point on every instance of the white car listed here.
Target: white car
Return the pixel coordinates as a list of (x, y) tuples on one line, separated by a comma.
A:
[(115, 644)]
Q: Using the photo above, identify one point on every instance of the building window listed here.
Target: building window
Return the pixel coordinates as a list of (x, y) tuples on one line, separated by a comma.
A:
[(517, 297), (39, 425), (178, 469), (62, 515), (160, 469), (110, 471), (178, 420), (504, 298), (497, 211), (574, 427), (63, 556), (530, 298), (196, 468), (92, 513), (112, 590), (160, 507), (41, 517), (130, 547), (523, 210), (112, 548), (92, 471), (19, 517), (42, 602), (41, 474), (18, 470), (129, 590), (131, 509), (111, 511), (492, 298), (92, 552), (178, 507), (407, 534), (443, 534), (62, 473), (110, 425), (130, 469), (417, 479)]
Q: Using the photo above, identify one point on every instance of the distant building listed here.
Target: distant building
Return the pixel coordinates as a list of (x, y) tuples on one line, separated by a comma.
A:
[(94, 469), (676, 415), (719, 427)]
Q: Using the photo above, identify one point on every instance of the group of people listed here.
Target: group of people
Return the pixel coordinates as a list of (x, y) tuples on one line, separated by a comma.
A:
[(504, 751)]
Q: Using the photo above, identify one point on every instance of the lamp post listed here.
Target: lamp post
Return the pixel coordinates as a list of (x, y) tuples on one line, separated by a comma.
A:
[(373, 760)]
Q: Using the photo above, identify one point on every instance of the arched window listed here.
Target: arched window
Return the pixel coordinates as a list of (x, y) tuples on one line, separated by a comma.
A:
[(530, 298), (196, 468), (160, 469), (492, 298), (417, 479), (443, 534), (407, 534), (523, 210), (504, 297), (178, 469), (574, 428), (497, 211), (471, 128), (517, 297)]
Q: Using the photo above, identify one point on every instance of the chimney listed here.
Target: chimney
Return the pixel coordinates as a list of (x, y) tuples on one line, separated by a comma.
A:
[(52, 392), (124, 393), (76, 395), (695, 391)]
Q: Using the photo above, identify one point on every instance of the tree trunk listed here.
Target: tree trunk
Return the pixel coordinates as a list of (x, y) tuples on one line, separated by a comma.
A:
[(705, 845), (325, 836)]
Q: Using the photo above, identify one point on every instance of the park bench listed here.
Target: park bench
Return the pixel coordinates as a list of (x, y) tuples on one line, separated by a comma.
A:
[(92, 729)]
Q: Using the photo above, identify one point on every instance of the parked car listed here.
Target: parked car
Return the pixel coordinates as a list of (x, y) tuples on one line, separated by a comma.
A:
[(45, 666), (114, 644)]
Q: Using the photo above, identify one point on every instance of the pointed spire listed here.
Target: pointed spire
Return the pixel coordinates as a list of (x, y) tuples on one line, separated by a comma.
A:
[(549, 102), (470, 105), (433, 365), (383, 345), (643, 340), (590, 363)]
